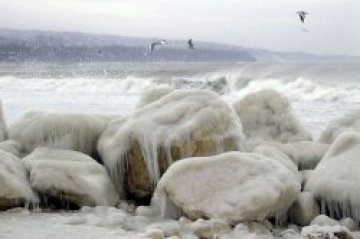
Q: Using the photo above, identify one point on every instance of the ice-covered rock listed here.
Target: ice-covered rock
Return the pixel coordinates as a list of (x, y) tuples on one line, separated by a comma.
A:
[(335, 181), (232, 186), (153, 94), (3, 128), (326, 232), (15, 189), (11, 146), (70, 176), (210, 228), (323, 220), (77, 132), (306, 174), (349, 223), (252, 230), (348, 122), (169, 228), (304, 209), (138, 149), (267, 116)]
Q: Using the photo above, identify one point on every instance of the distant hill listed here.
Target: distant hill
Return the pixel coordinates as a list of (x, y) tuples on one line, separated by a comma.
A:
[(48, 46), (20, 45)]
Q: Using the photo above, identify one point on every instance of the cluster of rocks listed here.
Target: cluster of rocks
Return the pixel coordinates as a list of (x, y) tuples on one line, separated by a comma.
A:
[(216, 168)]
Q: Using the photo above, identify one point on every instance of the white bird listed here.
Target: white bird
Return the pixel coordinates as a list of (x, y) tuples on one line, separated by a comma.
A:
[(155, 43), (302, 15)]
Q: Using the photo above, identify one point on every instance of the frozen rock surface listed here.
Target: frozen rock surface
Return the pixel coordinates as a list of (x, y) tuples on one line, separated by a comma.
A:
[(348, 122), (335, 180), (304, 209), (326, 232), (15, 189), (266, 115), (232, 186), (70, 176), (77, 132), (3, 128), (138, 149), (10, 146), (153, 94)]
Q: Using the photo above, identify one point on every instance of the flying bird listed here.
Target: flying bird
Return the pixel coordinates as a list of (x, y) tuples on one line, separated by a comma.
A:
[(302, 15), (190, 44), (155, 43)]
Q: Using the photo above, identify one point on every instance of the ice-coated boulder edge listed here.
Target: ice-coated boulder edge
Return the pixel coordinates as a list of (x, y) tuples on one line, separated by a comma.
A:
[(70, 176), (266, 115), (348, 122), (3, 128), (335, 180), (182, 124), (304, 210), (232, 186), (15, 189), (78, 132), (153, 94), (11, 146)]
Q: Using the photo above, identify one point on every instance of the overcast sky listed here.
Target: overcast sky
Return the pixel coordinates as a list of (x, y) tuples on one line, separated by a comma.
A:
[(333, 25)]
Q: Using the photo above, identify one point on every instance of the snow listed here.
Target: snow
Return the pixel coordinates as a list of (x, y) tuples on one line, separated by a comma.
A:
[(78, 132), (14, 186), (70, 175), (232, 186), (335, 181), (181, 124), (266, 115)]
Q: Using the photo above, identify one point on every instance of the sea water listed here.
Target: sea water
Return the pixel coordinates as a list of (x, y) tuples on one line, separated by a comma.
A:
[(317, 92)]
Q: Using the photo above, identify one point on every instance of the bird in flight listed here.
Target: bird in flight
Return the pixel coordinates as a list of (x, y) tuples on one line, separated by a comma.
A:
[(190, 44), (302, 15), (155, 43)]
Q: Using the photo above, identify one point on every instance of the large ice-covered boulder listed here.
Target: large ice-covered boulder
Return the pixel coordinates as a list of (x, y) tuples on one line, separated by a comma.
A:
[(335, 182), (266, 115), (232, 186), (350, 121), (70, 176), (304, 210), (77, 132), (15, 189), (11, 146), (138, 149), (3, 128)]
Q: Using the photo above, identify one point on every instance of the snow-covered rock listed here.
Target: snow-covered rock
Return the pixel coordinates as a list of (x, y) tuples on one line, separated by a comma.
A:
[(153, 94), (77, 132), (70, 176), (348, 122), (11, 146), (304, 209), (15, 189), (326, 232), (266, 115), (138, 149), (3, 128), (232, 186), (335, 181)]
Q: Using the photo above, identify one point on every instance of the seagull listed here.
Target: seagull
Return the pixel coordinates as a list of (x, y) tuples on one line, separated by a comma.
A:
[(190, 44), (302, 15), (155, 43)]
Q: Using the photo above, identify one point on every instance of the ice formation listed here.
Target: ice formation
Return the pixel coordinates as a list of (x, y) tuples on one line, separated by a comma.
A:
[(252, 230), (138, 149), (326, 232), (232, 186), (11, 146), (15, 189), (3, 128), (77, 132), (304, 209), (70, 176), (266, 115), (335, 180), (350, 121), (153, 94)]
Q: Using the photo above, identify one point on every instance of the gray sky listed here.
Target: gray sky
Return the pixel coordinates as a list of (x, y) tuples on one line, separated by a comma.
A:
[(272, 24)]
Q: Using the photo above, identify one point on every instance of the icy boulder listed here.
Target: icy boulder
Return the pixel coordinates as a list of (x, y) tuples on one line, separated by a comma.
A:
[(3, 128), (335, 182), (56, 130), (11, 146), (71, 177), (232, 186), (15, 189), (304, 209), (348, 122), (267, 116), (185, 123), (326, 232), (153, 94)]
